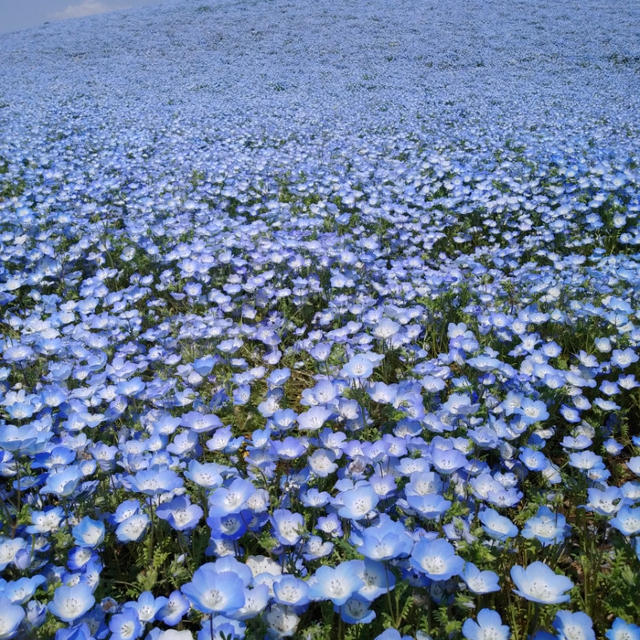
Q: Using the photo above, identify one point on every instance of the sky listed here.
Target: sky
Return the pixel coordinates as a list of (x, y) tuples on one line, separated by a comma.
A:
[(22, 14)]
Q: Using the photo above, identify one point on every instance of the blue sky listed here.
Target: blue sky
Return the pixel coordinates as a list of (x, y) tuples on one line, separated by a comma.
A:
[(21, 14)]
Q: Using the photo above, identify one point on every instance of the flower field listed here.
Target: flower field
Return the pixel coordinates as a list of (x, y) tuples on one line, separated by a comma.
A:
[(321, 320)]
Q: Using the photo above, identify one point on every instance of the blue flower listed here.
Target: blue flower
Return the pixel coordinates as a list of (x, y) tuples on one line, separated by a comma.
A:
[(181, 514), (384, 541), (359, 367), (287, 526), (546, 526), (88, 532), (497, 526), (291, 591), (212, 591), (357, 503), (125, 625), (573, 626), (431, 506), (147, 606), (627, 520), (377, 578), (11, 615), (132, 528), (20, 590), (538, 583), (480, 581), (488, 625), (231, 499), (69, 603), (356, 611), (622, 630), (231, 526), (158, 479), (436, 559), (336, 584), (173, 610), (62, 482)]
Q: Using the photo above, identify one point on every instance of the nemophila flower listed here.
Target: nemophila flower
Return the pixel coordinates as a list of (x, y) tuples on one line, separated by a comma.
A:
[(623, 630), (291, 591), (534, 460), (10, 550), (36, 614), (22, 589), (231, 499), (181, 514), (207, 475), (125, 625), (622, 358), (45, 521), (314, 418), (628, 382), (314, 499), (356, 611), (336, 584), (446, 461), (200, 422), (627, 520), (281, 620), (631, 490), (573, 626), (315, 548), (359, 367), (287, 526), (88, 532), (377, 578), (79, 557), (62, 482), (488, 627), (436, 559), (532, 411), (125, 510), (570, 414), (578, 442), (612, 446), (546, 526), (384, 541), (255, 602), (605, 502), (357, 503), (391, 634), (330, 524), (585, 460), (211, 591), (231, 526), (633, 464), (497, 526), (147, 606), (11, 615), (220, 439), (431, 506), (322, 462), (132, 529), (538, 583), (158, 479), (480, 581), (79, 631), (173, 610), (289, 448), (69, 603)]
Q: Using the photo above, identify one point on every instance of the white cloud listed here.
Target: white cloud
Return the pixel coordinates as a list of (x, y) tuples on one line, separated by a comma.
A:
[(87, 8)]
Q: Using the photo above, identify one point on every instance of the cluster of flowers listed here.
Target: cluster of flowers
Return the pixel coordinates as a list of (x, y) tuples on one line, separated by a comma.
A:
[(261, 373)]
